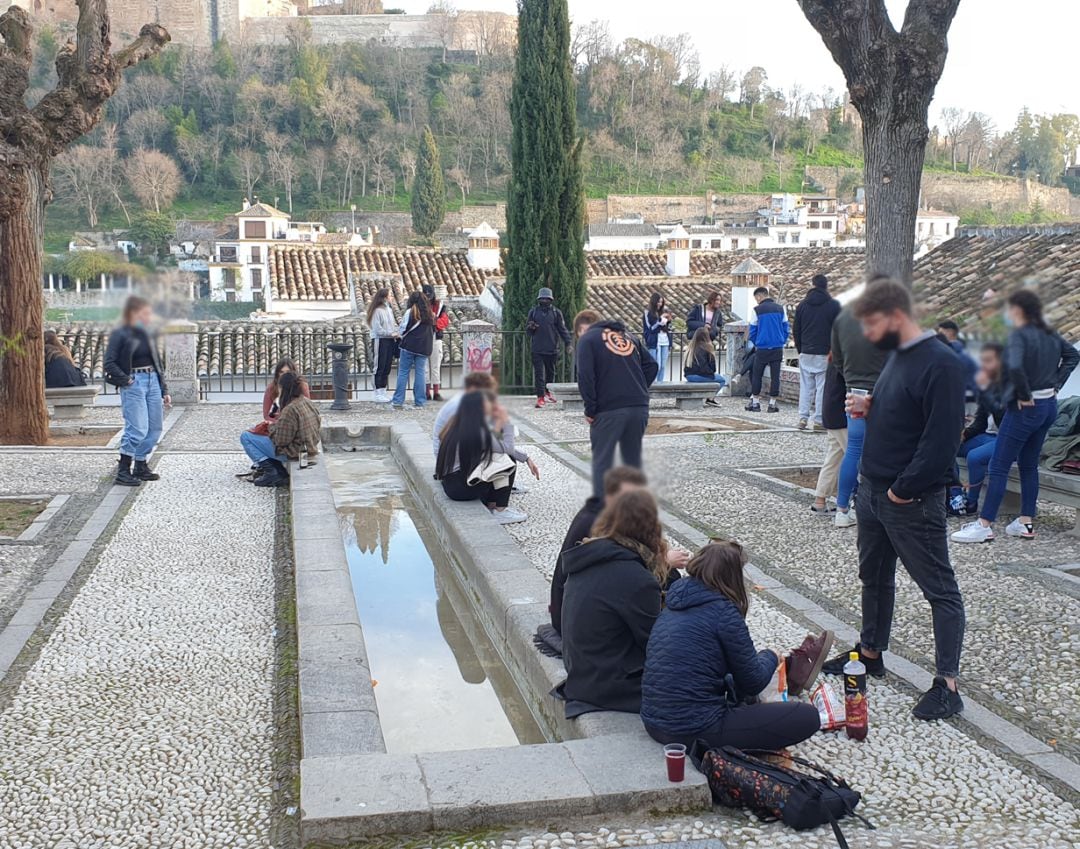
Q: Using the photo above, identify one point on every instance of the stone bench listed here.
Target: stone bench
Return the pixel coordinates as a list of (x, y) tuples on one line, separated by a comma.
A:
[(1053, 486), (688, 396), (70, 402)]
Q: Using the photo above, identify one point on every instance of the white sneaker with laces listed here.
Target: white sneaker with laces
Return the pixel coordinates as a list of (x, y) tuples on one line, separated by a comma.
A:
[(509, 516), (381, 397), (974, 532), (845, 520), (1016, 528)]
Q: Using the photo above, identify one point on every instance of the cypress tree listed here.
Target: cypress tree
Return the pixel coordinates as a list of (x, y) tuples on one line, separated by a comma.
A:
[(429, 188), (546, 210)]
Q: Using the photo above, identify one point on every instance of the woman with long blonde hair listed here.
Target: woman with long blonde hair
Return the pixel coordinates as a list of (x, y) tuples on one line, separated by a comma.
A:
[(701, 363), (613, 595)]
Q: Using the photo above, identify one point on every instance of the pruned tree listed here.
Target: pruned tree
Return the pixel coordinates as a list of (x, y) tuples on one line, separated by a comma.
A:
[(891, 76), (154, 178), (31, 137)]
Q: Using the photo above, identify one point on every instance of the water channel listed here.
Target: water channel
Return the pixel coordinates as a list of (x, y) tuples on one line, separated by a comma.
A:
[(440, 682)]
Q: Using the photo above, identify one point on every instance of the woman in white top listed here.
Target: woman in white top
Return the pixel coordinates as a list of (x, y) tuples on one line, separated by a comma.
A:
[(384, 334)]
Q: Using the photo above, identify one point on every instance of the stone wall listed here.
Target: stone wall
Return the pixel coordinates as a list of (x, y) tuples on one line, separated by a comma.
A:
[(414, 31), (661, 208)]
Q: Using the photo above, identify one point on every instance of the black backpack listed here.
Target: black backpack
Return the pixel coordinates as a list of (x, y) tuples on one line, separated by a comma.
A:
[(768, 784)]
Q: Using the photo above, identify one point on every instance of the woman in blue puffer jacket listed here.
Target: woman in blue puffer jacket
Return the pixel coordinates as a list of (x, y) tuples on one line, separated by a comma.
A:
[(702, 671)]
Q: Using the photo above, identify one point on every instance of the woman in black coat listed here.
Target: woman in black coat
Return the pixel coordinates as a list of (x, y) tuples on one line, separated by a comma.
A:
[(60, 368)]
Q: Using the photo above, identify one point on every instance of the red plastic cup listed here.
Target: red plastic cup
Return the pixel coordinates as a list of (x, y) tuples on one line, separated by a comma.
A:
[(675, 756)]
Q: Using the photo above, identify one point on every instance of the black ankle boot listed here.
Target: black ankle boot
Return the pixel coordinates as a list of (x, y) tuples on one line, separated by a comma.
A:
[(274, 474), (143, 472), (124, 477)]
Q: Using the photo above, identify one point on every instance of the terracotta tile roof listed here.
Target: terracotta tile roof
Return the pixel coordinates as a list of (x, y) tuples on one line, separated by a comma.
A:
[(262, 210), (954, 280)]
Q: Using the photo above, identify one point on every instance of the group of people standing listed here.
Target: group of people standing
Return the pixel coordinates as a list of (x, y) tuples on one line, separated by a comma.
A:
[(416, 341)]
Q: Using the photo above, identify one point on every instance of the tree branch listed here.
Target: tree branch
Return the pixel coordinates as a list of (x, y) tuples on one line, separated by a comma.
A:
[(15, 60)]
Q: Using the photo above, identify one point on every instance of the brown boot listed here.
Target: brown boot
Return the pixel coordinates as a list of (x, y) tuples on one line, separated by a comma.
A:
[(804, 663), (427, 392), (435, 396)]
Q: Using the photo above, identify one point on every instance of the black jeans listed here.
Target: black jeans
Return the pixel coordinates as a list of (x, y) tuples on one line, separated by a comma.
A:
[(457, 488), (384, 358), (773, 725), (771, 358), (916, 533), (543, 372), (624, 428)]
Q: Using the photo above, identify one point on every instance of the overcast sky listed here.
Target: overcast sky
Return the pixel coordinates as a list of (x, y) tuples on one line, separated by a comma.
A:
[(1003, 55)]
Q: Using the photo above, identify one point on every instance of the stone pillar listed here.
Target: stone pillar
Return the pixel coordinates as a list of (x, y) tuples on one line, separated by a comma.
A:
[(477, 339), (340, 352), (736, 337), (181, 372)]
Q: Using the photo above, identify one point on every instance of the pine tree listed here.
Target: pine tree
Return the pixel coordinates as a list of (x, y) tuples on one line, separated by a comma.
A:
[(546, 211), (429, 189)]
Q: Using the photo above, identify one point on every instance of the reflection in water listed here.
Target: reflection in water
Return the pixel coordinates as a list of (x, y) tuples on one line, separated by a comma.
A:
[(441, 685)]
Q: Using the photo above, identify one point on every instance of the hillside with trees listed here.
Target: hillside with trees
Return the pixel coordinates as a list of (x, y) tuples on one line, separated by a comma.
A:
[(321, 128)]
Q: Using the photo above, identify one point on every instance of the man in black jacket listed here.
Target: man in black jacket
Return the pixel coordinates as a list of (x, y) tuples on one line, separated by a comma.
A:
[(812, 332), (913, 424), (614, 375), (546, 329)]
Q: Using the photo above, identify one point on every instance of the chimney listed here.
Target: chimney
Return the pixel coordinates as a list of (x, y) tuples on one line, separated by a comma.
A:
[(483, 252), (678, 253), (245, 206)]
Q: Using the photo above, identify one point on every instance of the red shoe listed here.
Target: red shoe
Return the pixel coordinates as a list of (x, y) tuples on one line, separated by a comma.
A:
[(549, 397), (805, 662), (539, 403)]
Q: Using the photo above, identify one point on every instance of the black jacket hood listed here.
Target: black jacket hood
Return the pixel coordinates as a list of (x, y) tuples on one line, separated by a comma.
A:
[(817, 296), (595, 553)]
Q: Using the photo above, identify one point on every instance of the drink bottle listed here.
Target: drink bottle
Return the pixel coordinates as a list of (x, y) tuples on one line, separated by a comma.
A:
[(856, 714)]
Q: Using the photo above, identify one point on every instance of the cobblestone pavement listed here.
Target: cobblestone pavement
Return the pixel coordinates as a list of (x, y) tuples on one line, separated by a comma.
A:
[(146, 719)]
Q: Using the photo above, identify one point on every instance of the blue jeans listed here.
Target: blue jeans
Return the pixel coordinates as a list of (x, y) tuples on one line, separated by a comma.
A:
[(661, 354), (977, 451), (260, 448), (849, 468), (408, 360), (697, 378), (1020, 440), (142, 408)]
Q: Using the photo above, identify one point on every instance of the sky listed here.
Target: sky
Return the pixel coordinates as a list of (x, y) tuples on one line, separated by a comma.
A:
[(1003, 55)]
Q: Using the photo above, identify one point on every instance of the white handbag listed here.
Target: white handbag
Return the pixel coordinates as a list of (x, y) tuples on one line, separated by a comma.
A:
[(495, 471)]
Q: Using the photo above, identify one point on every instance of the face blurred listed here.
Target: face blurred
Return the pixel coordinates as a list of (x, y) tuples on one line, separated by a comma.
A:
[(716, 302), (582, 328), (1016, 316), (990, 363), (948, 333), (626, 486), (879, 325), (759, 298), (489, 408), (143, 315), (546, 302)]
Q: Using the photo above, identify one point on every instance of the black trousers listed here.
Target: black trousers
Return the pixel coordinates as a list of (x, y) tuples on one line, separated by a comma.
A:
[(457, 488), (916, 534), (384, 358), (543, 372), (623, 428), (773, 725), (770, 358)]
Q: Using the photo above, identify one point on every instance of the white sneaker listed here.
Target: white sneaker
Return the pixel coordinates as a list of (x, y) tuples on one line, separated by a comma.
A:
[(974, 532), (381, 397), (1016, 528), (845, 520), (509, 516)]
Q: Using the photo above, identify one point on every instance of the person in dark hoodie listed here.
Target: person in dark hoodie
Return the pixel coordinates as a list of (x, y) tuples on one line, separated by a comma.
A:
[(702, 671), (614, 375), (812, 334), (613, 596), (978, 440), (769, 332), (546, 329), (708, 315)]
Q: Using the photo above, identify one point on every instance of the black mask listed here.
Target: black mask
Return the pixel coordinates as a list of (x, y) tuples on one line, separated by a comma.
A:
[(889, 342)]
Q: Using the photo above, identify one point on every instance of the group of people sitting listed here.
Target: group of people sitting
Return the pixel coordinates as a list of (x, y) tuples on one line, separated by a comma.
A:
[(639, 636)]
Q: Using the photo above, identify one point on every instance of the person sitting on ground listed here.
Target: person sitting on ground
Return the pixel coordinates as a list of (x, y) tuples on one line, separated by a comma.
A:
[(465, 465), (475, 381), (834, 420), (979, 437), (702, 671), (613, 595), (60, 368), (296, 430), (617, 481), (701, 364)]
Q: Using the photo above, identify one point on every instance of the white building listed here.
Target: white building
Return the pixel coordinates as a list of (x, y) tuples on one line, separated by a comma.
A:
[(240, 266), (932, 228), (822, 220), (623, 235)]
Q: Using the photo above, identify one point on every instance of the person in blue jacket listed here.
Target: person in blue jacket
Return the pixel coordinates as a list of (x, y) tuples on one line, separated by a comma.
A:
[(769, 333), (702, 670)]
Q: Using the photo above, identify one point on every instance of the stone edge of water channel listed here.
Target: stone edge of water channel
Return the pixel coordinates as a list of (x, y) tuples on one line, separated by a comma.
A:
[(350, 788)]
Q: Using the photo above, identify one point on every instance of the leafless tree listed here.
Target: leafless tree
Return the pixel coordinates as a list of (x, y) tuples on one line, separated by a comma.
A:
[(249, 167), (954, 121), (154, 178), (752, 88), (348, 154), (444, 24), (317, 162), (591, 43), (719, 88), (146, 128), (88, 74), (460, 178), (80, 179)]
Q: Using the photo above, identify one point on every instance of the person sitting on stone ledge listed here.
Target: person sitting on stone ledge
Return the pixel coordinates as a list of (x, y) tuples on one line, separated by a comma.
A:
[(60, 368), (702, 671), (476, 381), (296, 430), (474, 462), (271, 407), (613, 596), (701, 364)]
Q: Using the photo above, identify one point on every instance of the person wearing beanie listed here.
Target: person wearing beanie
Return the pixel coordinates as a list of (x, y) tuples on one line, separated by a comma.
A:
[(547, 332), (442, 321), (812, 333)]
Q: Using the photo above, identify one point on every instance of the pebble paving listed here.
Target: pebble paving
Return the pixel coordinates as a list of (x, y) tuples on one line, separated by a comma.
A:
[(146, 720)]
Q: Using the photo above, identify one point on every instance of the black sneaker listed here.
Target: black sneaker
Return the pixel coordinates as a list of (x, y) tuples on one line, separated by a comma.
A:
[(126, 478), (753, 407), (875, 666), (711, 402), (773, 408), (939, 702)]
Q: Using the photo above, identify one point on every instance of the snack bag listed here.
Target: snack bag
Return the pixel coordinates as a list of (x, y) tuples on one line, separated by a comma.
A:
[(776, 689), (829, 705)]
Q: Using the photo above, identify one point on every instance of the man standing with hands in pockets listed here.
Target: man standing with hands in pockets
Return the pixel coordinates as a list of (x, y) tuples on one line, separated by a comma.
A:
[(913, 424)]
